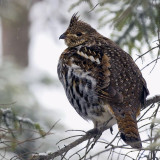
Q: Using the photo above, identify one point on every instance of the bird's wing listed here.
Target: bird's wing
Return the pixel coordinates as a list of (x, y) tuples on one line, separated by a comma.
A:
[(98, 64), (105, 87), (119, 76), (145, 91)]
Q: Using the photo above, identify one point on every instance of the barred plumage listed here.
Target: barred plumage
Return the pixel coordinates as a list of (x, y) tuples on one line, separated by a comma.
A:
[(101, 80)]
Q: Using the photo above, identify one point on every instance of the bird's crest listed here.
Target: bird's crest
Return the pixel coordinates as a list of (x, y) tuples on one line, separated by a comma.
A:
[(74, 19)]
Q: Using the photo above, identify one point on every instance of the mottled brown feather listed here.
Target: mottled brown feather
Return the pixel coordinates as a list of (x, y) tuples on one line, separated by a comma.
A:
[(101, 80)]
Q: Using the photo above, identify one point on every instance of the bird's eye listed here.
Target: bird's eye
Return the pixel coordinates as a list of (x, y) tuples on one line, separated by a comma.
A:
[(79, 34)]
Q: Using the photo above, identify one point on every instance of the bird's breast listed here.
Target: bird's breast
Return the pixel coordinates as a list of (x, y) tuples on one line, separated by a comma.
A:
[(79, 87), (80, 71)]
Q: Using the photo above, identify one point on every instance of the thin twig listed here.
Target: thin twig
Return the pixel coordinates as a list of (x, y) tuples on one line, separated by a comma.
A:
[(150, 63), (93, 8), (139, 56)]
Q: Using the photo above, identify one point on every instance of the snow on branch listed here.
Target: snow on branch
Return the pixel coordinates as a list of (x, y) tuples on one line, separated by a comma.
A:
[(8, 118)]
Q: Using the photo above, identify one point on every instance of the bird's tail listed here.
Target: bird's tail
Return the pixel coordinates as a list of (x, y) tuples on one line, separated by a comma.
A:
[(129, 131)]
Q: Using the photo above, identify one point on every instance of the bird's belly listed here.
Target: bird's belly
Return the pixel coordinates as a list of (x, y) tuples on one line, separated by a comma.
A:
[(90, 109), (80, 91), (106, 116)]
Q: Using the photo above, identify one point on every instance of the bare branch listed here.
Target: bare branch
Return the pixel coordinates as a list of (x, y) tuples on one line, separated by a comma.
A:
[(88, 136), (152, 100), (93, 7), (140, 56)]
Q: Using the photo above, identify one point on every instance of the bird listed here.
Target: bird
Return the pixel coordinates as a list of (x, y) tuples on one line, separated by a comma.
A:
[(101, 80)]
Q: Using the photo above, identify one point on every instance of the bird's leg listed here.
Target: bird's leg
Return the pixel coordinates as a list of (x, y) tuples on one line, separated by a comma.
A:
[(96, 131)]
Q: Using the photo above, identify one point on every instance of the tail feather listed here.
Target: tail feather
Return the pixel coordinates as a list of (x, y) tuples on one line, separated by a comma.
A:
[(129, 131)]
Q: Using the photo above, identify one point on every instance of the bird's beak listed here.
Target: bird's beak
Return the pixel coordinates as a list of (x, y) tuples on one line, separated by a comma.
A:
[(63, 36)]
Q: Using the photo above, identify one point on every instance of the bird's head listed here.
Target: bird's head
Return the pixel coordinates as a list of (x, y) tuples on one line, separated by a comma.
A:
[(78, 32)]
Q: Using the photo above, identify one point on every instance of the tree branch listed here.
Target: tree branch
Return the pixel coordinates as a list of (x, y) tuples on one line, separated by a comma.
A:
[(152, 100), (90, 134)]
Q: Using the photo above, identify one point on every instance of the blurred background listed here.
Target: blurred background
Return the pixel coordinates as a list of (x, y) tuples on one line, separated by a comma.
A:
[(29, 53)]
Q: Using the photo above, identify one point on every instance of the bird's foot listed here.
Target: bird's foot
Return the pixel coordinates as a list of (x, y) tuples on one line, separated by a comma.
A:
[(111, 130), (95, 131)]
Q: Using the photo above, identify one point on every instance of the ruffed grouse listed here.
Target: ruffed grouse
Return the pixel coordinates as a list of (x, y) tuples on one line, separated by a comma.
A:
[(101, 80)]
